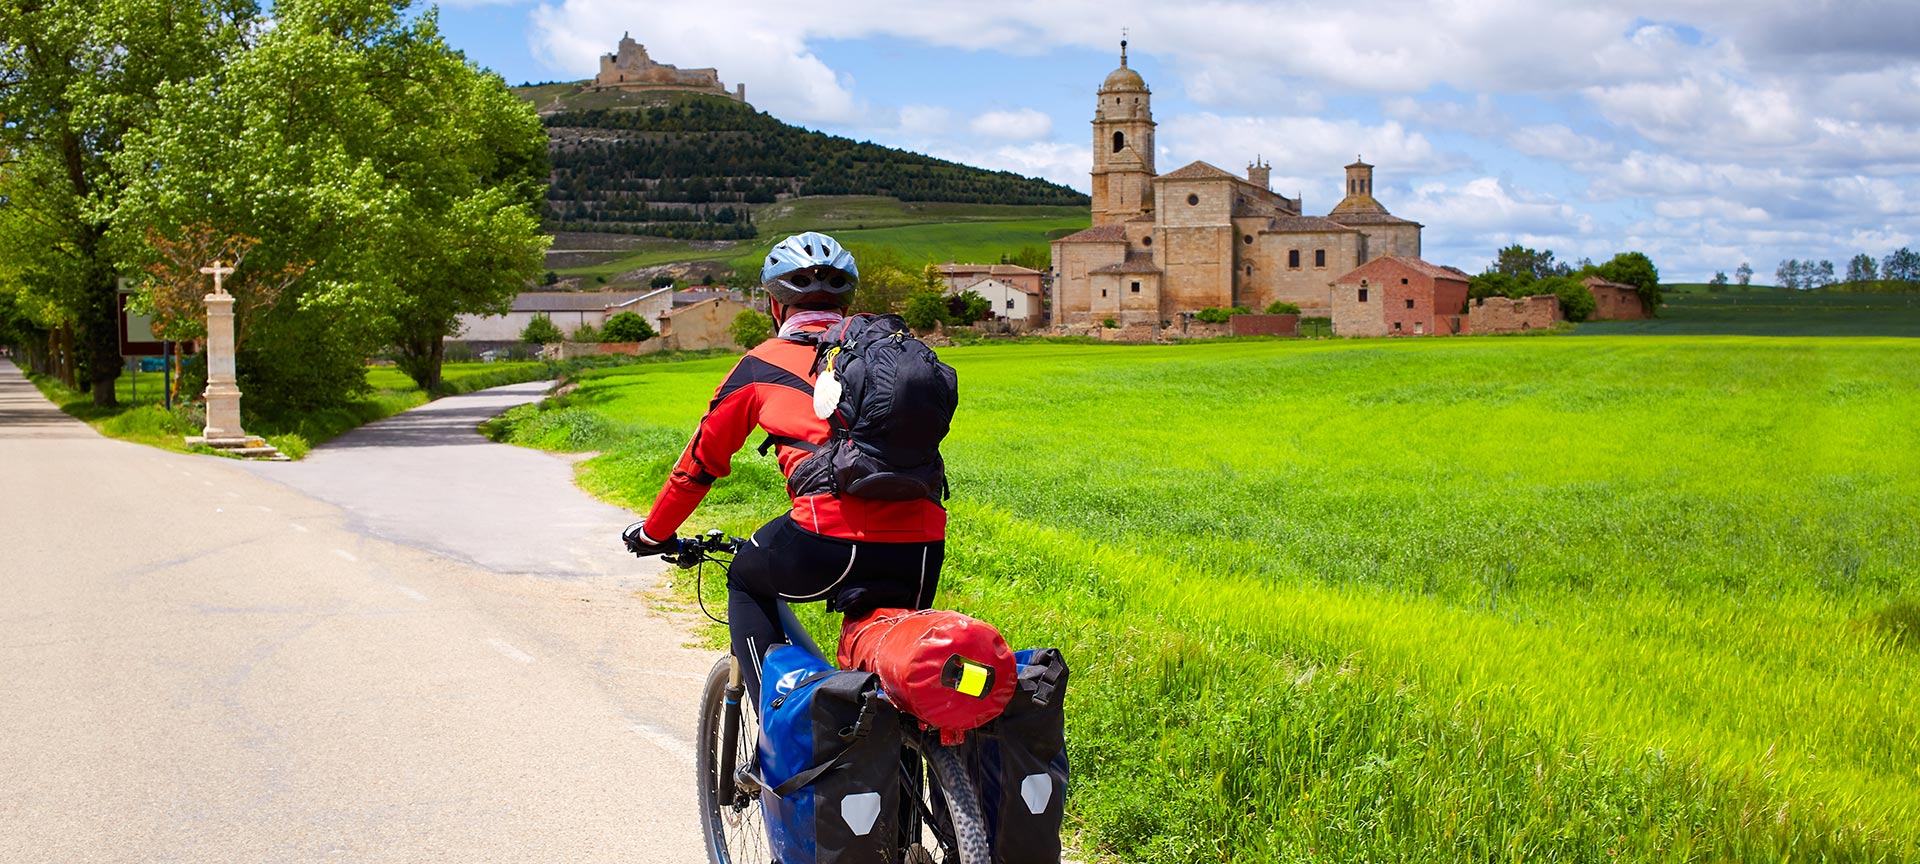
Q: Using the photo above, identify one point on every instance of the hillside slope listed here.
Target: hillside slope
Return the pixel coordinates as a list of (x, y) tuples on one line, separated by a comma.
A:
[(689, 166)]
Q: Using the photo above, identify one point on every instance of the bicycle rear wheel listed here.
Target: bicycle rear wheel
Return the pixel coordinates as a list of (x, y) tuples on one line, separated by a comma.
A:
[(962, 801), (730, 816)]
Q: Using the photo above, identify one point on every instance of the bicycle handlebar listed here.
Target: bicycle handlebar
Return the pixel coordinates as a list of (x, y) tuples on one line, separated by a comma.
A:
[(691, 551)]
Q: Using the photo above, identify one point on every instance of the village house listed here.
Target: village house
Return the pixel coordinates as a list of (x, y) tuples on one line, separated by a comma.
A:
[(1162, 245), (1395, 296), (1007, 300), (1614, 301), (959, 276), (568, 310)]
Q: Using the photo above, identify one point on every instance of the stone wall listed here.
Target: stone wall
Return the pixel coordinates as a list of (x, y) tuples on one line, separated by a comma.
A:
[(1615, 302), (1075, 294), (1491, 315), (700, 326), (1307, 286), (1265, 325)]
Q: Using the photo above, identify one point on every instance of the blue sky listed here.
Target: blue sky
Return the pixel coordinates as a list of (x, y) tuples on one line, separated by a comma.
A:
[(1703, 133)]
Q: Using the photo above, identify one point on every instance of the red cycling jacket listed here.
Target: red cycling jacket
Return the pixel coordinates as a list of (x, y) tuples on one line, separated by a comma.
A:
[(772, 388)]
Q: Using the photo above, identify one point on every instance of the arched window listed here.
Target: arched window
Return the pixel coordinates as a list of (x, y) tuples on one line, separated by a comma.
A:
[(1119, 141)]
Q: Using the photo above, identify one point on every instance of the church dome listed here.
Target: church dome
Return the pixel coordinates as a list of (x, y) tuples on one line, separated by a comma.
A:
[(1124, 80)]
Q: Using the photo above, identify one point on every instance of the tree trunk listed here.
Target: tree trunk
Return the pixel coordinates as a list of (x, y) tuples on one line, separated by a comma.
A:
[(420, 356), (101, 327)]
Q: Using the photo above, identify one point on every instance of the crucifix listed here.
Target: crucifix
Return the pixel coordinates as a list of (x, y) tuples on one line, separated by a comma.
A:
[(217, 272)]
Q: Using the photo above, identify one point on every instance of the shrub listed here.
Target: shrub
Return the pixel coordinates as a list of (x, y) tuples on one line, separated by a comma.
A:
[(1576, 299), (1110, 324), (586, 333), (967, 307), (750, 328), (1281, 307), (1212, 315), (661, 282), (924, 309), (627, 327), (540, 331)]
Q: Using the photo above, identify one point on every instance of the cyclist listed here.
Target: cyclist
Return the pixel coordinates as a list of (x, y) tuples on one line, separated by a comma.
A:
[(855, 553)]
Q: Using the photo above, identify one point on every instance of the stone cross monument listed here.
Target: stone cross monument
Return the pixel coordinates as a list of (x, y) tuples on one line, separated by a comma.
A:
[(223, 390)]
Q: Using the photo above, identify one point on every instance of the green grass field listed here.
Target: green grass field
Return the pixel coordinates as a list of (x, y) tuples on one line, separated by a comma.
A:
[(1763, 311), (1597, 599), (917, 231)]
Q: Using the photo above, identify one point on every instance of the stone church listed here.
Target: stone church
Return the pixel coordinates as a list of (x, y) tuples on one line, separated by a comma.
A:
[(1166, 244), (630, 68)]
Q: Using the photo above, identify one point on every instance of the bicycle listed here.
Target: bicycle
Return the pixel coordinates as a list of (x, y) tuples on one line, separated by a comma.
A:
[(945, 805)]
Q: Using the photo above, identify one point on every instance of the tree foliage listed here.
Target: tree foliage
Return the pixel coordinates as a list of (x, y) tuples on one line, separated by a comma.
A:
[(1636, 269), (626, 327), (968, 307), (351, 139), (750, 328), (1282, 307), (77, 79), (541, 331), (1517, 260), (925, 309), (1743, 274)]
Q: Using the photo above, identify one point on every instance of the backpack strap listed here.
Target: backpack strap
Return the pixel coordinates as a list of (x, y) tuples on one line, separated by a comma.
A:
[(787, 441)]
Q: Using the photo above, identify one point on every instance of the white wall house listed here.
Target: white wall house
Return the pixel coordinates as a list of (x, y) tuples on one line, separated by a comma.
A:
[(1012, 302), (566, 309)]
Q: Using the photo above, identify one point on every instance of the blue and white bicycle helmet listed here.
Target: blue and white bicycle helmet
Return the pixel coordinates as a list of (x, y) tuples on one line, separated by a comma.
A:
[(810, 267)]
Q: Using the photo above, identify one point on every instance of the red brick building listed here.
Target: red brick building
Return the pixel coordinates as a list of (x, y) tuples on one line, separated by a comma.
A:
[(1397, 296), (1614, 301)]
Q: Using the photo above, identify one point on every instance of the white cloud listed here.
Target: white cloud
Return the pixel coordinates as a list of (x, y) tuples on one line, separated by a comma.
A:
[(1025, 124), (1559, 143), (1307, 153)]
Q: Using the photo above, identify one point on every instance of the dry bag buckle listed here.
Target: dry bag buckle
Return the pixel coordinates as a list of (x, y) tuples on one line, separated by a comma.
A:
[(967, 676)]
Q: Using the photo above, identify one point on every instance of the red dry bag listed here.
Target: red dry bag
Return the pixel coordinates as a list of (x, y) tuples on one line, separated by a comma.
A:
[(951, 671)]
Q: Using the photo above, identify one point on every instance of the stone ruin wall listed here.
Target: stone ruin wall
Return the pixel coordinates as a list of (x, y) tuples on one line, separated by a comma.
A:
[(1492, 315)]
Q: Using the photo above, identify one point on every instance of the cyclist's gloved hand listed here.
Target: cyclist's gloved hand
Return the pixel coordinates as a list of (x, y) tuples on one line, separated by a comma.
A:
[(640, 544)]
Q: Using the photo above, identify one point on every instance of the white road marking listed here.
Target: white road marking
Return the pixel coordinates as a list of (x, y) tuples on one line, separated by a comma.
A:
[(345, 554), (665, 740), (297, 527), (511, 652), (411, 593)]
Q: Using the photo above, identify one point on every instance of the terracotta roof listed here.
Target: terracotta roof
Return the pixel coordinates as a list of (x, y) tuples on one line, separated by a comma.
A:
[(1097, 234), (951, 268), (1199, 171), (1035, 292), (1432, 271), (1304, 225), (1137, 262), (576, 301)]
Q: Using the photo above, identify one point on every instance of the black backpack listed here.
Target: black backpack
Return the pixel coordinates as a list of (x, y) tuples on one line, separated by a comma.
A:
[(894, 404)]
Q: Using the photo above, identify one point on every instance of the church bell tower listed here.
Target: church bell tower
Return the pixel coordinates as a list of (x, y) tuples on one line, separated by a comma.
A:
[(1122, 146)]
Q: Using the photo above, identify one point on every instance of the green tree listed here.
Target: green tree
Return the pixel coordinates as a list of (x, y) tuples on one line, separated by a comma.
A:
[(662, 281), (924, 309), (1743, 274), (351, 137), (1281, 307), (1034, 257), (967, 307), (77, 78), (1862, 268), (626, 327), (1576, 299), (1901, 265), (750, 328), (1517, 260), (584, 333), (540, 331)]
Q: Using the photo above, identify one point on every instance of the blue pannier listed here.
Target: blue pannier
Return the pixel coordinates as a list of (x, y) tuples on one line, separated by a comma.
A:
[(830, 761)]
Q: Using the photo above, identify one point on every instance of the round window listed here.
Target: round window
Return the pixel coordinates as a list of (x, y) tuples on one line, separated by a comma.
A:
[(1147, 240), (1247, 239), (1193, 199)]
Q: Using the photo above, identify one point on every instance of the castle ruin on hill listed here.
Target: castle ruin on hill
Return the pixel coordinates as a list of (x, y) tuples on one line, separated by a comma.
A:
[(630, 68)]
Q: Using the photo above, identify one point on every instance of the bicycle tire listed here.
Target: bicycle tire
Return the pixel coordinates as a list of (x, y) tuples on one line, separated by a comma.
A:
[(963, 804), (735, 831)]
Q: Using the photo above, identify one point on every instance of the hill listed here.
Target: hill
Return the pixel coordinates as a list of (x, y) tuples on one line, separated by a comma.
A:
[(693, 167), (1754, 310)]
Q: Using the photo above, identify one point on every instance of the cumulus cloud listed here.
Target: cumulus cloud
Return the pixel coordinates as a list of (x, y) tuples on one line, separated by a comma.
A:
[(1024, 124), (1308, 154)]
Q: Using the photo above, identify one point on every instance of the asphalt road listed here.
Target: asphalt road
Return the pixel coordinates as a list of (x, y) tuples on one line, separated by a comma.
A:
[(415, 645)]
